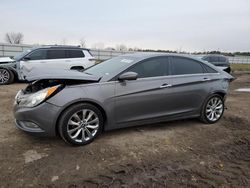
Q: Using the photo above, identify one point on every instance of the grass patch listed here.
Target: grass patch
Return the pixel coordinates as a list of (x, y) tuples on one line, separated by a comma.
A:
[(240, 67)]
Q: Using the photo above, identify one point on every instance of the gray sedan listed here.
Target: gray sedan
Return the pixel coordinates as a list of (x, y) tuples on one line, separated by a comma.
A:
[(125, 91)]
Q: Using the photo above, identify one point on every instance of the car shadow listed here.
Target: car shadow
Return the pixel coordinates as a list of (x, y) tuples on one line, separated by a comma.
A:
[(168, 125), (163, 126)]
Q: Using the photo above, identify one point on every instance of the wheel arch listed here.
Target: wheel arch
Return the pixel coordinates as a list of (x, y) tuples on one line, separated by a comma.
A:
[(79, 102), (14, 73), (77, 68), (221, 93)]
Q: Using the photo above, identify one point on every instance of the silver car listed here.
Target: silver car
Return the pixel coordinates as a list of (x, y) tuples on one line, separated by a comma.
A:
[(124, 91), (221, 61)]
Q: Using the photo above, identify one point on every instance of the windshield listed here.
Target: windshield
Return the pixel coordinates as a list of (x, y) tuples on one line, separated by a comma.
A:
[(21, 55), (110, 66)]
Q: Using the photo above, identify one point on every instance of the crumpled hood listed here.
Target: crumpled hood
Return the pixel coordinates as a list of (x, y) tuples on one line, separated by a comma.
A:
[(6, 60), (59, 74)]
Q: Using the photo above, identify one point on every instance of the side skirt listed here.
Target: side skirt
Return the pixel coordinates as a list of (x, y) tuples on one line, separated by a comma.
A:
[(154, 120)]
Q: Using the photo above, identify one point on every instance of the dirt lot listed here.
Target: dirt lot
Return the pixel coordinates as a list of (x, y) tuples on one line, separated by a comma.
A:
[(182, 153)]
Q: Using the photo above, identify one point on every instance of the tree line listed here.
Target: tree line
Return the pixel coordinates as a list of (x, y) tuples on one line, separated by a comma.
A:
[(17, 38)]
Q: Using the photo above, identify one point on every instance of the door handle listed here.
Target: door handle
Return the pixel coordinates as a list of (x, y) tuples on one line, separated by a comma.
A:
[(206, 79), (165, 85)]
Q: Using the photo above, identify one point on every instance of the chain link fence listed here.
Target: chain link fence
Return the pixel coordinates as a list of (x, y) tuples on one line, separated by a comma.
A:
[(8, 50)]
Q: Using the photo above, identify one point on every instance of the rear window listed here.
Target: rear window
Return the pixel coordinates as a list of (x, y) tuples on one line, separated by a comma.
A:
[(209, 69), (222, 59), (182, 65), (56, 54), (205, 58), (75, 53), (214, 59)]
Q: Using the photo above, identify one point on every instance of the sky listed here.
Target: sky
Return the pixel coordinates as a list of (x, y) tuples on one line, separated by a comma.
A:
[(183, 25)]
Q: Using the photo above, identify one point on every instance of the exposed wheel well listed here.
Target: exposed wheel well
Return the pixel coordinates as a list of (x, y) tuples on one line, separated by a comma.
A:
[(77, 68), (89, 102)]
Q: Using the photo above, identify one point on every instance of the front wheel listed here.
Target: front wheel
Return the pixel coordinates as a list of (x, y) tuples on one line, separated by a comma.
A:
[(6, 76), (80, 124), (213, 109)]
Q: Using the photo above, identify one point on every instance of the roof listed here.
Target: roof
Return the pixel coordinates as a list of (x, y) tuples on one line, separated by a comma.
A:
[(58, 47), (144, 55), (212, 55)]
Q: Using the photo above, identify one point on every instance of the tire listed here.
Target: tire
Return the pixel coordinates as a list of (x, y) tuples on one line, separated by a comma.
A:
[(6, 76), (211, 107), (74, 127)]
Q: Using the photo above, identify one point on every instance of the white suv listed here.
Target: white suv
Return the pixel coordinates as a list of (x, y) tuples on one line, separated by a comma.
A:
[(49, 57)]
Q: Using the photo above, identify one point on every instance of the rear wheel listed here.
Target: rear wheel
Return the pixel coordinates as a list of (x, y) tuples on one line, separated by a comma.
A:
[(213, 109), (80, 124), (6, 76)]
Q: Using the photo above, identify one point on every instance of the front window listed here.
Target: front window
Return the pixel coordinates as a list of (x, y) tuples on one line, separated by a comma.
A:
[(151, 68), (37, 55)]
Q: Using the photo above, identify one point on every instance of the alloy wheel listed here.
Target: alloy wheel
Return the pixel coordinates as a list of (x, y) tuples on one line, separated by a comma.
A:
[(83, 125), (214, 109), (4, 76)]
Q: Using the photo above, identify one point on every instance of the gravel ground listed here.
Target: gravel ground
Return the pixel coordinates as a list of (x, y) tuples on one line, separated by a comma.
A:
[(183, 153)]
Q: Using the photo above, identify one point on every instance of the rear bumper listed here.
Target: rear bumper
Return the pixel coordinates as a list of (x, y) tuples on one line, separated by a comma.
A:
[(39, 121)]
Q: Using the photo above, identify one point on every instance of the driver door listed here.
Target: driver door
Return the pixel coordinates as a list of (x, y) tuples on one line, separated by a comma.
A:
[(146, 97), (32, 60)]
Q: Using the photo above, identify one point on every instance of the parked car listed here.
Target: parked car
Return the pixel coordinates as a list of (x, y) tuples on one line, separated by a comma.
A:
[(49, 57), (218, 60), (124, 91)]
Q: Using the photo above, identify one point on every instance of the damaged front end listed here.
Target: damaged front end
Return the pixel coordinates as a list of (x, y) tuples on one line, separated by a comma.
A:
[(36, 93), (47, 83), (39, 91), (42, 84)]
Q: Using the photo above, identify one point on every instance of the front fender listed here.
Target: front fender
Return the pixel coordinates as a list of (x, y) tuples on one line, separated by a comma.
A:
[(12, 67), (102, 97)]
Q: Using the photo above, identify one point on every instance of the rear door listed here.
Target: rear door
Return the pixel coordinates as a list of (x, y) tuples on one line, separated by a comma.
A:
[(76, 58), (190, 84), (148, 96), (57, 58)]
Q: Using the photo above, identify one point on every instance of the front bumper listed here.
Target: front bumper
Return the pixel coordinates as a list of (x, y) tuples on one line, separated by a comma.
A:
[(39, 120)]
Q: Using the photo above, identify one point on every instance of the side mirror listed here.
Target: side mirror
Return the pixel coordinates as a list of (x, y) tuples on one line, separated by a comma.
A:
[(26, 59), (128, 76)]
